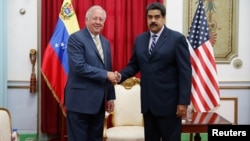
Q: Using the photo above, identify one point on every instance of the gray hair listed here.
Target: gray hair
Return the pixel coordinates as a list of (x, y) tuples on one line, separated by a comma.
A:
[(91, 9)]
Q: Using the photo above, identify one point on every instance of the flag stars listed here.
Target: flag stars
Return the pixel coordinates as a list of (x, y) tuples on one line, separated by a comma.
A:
[(199, 31), (62, 45), (56, 45)]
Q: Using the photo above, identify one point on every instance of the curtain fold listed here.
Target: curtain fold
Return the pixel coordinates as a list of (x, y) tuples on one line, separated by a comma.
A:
[(125, 20)]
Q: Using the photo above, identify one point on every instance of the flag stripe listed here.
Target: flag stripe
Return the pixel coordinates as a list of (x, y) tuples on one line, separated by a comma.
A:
[(53, 72), (198, 81), (205, 90), (55, 60), (204, 73), (70, 22), (59, 43)]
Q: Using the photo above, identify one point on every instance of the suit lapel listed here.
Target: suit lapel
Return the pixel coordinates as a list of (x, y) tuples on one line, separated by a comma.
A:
[(94, 46)]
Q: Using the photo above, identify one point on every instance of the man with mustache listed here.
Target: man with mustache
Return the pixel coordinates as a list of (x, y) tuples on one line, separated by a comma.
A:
[(162, 57)]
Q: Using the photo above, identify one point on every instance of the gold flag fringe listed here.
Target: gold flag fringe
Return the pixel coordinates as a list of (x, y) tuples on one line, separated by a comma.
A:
[(54, 94)]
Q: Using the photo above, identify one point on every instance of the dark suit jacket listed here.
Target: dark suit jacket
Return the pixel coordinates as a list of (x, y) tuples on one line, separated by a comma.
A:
[(87, 84), (165, 74)]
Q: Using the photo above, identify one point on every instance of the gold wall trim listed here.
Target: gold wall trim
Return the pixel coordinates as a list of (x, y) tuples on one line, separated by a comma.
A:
[(234, 87), (18, 87), (233, 101)]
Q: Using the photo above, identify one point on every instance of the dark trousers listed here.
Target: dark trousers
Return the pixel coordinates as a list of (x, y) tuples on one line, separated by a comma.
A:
[(85, 127), (162, 128)]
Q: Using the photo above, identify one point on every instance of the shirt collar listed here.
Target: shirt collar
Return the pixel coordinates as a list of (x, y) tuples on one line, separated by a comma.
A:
[(92, 35), (158, 34)]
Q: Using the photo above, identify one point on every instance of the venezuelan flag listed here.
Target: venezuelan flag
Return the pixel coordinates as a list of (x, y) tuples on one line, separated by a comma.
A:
[(55, 60)]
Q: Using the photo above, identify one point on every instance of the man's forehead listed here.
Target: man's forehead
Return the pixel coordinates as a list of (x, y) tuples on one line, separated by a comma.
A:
[(154, 12)]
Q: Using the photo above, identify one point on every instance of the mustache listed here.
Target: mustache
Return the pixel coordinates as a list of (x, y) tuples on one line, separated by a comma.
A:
[(153, 24)]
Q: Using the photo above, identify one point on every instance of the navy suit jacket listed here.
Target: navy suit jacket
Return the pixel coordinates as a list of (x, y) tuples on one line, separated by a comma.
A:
[(87, 85), (165, 74)]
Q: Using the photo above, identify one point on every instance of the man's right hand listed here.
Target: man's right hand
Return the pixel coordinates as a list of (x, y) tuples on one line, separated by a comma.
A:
[(113, 77)]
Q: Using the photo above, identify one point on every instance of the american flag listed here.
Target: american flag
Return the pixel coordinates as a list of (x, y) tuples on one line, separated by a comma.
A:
[(205, 94)]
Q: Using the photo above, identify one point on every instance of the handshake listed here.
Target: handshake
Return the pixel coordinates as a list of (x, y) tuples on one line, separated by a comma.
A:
[(114, 77)]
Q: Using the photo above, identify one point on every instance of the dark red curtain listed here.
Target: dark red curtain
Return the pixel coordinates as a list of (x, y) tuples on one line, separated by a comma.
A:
[(125, 20)]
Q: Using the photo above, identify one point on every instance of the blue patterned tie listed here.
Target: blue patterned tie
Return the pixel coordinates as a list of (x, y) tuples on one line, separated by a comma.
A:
[(152, 44)]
